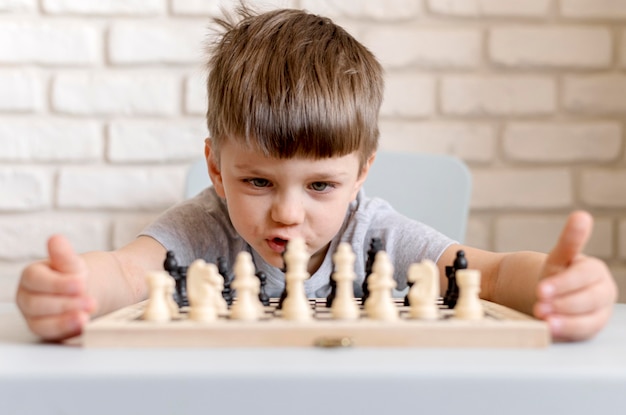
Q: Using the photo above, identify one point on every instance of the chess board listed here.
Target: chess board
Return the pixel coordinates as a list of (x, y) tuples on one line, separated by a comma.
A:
[(501, 327)]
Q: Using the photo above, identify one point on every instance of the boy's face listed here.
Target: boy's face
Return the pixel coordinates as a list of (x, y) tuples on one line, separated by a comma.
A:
[(273, 200)]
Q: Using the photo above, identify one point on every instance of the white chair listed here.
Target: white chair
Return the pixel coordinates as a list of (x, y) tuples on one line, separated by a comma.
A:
[(432, 188)]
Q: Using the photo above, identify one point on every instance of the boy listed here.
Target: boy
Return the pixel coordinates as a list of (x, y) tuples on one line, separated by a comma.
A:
[(293, 110)]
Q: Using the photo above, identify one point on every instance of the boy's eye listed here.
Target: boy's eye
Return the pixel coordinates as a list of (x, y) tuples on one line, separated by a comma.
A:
[(259, 182), (319, 186)]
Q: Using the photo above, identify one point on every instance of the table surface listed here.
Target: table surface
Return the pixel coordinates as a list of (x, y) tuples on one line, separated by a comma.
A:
[(574, 378)]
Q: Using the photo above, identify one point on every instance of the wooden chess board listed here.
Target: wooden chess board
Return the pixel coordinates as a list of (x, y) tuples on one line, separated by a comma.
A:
[(501, 327)]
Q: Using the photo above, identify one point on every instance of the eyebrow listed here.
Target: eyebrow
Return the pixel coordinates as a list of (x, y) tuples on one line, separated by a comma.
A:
[(321, 175)]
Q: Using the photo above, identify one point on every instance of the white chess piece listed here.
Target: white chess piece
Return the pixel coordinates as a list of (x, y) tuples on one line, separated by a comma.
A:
[(170, 287), (468, 306), (157, 308), (425, 290), (383, 306), (201, 291), (344, 307), (247, 305), (296, 305)]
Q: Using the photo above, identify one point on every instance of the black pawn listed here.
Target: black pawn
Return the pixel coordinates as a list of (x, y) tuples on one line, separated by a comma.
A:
[(333, 292), (263, 297), (460, 262), (181, 286), (376, 244), (171, 264), (222, 268), (452, 293), (283, 295), (406, 297)]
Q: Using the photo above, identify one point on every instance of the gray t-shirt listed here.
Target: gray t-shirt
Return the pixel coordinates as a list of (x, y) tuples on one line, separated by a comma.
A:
[(201, 228)]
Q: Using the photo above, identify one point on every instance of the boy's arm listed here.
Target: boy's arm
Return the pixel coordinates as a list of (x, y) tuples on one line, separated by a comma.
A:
[(57, 295), (574, 293)]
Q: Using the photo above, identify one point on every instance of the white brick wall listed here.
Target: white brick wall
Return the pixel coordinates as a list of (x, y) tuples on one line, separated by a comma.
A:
[(102, 106)]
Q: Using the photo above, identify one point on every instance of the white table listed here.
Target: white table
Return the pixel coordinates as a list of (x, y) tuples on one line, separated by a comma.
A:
[(580, 378)]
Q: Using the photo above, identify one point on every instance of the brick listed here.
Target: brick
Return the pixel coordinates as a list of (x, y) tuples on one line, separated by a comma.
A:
[(50, 140), (109, 7), (621, 233), (402, 47), (622, 49), (562, 142), (475, 142), (603, 188), (595, 94), (24, 189), (17, 5), (140, 141), (20, 91), (142, 43), (128, 227), (196, 94), (9, 279), (498, 8), (365, 9), (544, 188), (514, 95), (49, 43), (212, 8), (24, 236), (549, 47), (151, 188), (619, 273), (598, 9), (478, 234), (114, 93), (541, 233), (408, 95)]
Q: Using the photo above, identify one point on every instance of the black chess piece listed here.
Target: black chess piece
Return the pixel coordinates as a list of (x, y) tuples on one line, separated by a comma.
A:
[(333, 293), (181, 286), (263, 297), (222, 268), (452, 294), (376, 244), (170, 264), (406, 297), (460, 262)]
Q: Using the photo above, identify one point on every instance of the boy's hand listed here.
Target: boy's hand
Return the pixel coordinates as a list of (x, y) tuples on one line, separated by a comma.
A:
[(576, 292), (52, 295)]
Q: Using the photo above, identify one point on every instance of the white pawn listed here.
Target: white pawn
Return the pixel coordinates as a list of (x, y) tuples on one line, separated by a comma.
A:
[(201, 291), (157, 308), (170, 287), (425, 290), (383, 306), (296, 305), (468, 306), (247, 305), (344, 307)]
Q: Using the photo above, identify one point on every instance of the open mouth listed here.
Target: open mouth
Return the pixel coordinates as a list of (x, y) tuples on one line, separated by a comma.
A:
[(278, 244)]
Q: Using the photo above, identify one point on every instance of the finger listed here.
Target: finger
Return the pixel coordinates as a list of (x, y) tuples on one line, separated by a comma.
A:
[(574, 236), (59, 327), (578, 327), (584, 301), (582, 272), (39, 278), (63, 258), (37, 305)]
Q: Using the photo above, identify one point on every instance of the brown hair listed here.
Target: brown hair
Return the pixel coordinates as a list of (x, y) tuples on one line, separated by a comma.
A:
[(290, 83)]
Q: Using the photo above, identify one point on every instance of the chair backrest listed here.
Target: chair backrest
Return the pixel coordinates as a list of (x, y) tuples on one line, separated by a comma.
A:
[(432, 188)]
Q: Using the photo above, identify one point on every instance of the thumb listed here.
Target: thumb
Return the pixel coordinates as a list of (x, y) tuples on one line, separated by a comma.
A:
[(572, 241), (63, 258)]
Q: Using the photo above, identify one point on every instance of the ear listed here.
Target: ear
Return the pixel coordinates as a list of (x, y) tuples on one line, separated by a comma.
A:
[(212, 162), (363, 174)]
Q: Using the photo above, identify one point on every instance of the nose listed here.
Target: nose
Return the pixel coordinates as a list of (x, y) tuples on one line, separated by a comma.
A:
[(288, 209)]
